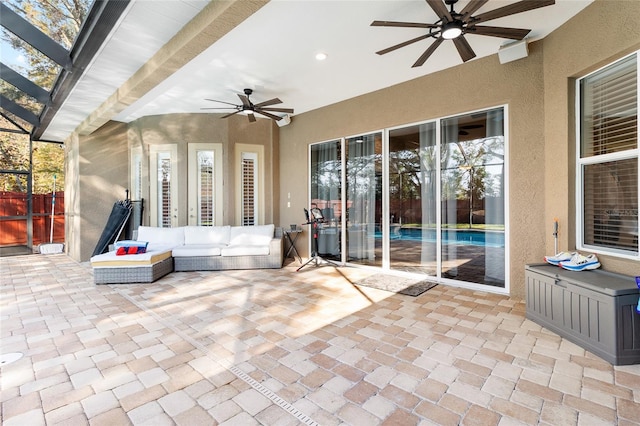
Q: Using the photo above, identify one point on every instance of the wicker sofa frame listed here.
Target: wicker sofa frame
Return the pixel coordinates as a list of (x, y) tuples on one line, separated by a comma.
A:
[(216, 263), (151, 273), (132, 274)]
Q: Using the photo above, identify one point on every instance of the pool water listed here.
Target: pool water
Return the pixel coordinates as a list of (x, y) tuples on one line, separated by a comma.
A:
[(453, 236)]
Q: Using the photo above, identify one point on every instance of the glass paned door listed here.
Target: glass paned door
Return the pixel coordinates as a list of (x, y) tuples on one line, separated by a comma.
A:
[(364, 199), (413, 199), (472, 187), (205, 184), (163, 186), (249, 188)]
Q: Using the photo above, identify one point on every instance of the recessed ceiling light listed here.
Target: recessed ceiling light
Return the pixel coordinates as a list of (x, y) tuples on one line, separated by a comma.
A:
[(321, 56)]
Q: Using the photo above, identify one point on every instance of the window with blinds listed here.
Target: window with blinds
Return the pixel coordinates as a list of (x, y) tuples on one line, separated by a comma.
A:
[(205, 190), (249, 188), (164, 191), (609, 158)]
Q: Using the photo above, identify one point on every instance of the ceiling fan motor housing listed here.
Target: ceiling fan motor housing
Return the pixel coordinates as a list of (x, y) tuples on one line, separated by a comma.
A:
[(454, 25)]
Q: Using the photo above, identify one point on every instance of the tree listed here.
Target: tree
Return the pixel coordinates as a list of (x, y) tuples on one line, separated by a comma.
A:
[(61, 20), (48, 161)]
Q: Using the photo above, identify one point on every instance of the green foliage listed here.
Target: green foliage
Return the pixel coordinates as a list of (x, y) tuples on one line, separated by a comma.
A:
[(61, 20), (14, 155), (48, 160)]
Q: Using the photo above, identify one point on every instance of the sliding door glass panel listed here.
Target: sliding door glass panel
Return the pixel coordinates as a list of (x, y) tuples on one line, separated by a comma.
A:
[(364, 199), (413, 199), (472, 187), (326, 195)]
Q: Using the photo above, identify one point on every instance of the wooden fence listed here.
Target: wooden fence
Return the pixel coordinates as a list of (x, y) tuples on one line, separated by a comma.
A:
[(13, 218)]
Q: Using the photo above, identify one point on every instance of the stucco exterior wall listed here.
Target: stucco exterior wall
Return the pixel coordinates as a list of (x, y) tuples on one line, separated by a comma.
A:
[(99, 170), (97, 176), (479, 84), (265, 133), (178, 129), (540, 97), (538, 92), (579, 47)]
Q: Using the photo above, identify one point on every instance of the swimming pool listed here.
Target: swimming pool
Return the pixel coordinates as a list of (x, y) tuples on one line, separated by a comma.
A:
[(451, 236)]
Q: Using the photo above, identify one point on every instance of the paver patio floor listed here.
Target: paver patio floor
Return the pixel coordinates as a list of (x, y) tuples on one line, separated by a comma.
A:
[(280, 347)]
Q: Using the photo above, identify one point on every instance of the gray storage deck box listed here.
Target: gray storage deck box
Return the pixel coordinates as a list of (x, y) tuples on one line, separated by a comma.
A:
[(593, 309)]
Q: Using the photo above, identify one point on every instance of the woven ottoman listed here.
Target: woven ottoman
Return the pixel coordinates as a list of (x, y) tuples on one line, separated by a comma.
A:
[(131, 268)]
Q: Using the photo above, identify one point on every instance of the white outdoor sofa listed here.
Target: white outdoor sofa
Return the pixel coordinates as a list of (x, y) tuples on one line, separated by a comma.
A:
[(192, 248)]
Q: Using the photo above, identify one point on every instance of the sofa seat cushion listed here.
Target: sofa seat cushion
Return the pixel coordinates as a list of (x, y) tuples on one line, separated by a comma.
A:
[(207, 235), (171, 237), (198, 250), (110, 259), (245, 250), (258, 235)]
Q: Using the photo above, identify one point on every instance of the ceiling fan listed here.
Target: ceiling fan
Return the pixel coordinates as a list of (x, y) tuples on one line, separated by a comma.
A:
[(250, 108), (454, 25)]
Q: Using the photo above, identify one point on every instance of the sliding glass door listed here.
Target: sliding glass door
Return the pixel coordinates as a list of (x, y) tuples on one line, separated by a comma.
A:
[(364, 199), (429, 198), (413, 198), (473, 203)]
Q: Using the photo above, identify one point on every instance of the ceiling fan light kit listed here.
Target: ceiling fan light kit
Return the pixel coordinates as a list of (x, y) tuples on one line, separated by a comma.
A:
[(451, 30), (454, 26)]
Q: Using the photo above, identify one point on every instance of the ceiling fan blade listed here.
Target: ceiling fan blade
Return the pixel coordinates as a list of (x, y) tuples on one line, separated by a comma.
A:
[(245, 100), (503, 32), (233, 113), (251, 117), (464, 49), (287, 110), (222, 102), (227, 108), (422, 59), (402, 24), (406, 43), (269, 102), (512, 9), (266, 114), (471, 7), (441, 10)]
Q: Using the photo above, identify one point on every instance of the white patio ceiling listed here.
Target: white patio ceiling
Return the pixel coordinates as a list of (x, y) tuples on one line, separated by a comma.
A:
[(273, 52)]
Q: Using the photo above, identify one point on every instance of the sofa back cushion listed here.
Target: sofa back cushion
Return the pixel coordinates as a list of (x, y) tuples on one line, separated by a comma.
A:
[(161, 236), (257, 235), (207, 235)]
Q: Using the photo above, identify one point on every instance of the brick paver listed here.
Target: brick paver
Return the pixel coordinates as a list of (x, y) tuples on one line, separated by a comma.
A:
[(277, 347)]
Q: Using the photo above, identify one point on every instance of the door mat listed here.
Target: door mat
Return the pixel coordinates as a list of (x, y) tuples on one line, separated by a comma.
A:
[(406, 286)]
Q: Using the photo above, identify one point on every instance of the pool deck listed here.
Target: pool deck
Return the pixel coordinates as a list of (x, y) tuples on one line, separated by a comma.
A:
[(280, 347)]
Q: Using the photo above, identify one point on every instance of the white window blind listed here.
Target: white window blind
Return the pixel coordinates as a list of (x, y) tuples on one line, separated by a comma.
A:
[(205, 189), (249, 188), (610, 109), (609, 158), (164, 190)]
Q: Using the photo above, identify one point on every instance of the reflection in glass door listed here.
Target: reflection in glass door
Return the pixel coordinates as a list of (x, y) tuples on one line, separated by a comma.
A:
[(444, 198), (473, 203), (364, 199), (413, 199), (326, 195)]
